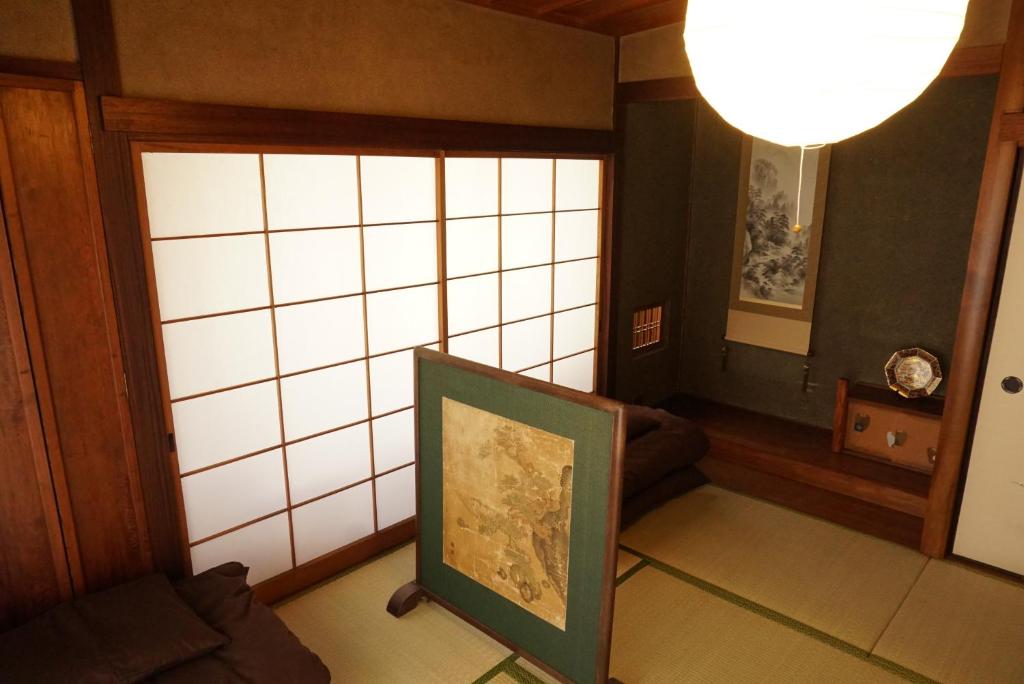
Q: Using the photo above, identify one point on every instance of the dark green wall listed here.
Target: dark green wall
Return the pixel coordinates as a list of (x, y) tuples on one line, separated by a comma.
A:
[(899, 213), (652, 211)]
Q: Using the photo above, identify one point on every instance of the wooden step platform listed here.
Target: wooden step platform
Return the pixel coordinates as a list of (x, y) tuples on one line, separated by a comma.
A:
[(793, 464)]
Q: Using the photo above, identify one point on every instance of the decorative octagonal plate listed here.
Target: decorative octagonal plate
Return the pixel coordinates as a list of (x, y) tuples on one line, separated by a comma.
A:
[(913, 373)]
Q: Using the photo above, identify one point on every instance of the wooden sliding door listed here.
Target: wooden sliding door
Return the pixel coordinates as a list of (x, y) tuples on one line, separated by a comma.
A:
[(290, 287), (69, 374)]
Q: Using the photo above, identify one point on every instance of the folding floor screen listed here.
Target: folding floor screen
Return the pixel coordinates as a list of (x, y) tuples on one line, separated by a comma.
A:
[(289, 291)]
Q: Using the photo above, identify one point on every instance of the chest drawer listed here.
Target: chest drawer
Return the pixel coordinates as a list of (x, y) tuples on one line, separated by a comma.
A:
[(905, 438)]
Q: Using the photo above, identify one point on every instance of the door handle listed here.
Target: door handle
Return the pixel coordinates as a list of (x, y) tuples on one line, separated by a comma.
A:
[(1011, 384)]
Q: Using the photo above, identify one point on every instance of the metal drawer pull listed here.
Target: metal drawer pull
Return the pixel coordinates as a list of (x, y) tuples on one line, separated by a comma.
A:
[(895, 439), (1012, 384), (860, 422)]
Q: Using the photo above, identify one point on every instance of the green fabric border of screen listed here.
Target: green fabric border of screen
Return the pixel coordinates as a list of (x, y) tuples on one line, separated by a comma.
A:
[(573, 652)]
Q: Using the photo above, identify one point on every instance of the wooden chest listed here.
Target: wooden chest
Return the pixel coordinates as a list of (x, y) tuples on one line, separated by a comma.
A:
[(873, 421)]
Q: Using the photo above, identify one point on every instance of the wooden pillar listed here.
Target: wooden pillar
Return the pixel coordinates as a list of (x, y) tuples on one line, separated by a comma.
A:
[(976, 301)]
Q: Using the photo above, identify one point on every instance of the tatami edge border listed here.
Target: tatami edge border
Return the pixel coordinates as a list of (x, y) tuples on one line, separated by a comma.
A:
[(780, 618)]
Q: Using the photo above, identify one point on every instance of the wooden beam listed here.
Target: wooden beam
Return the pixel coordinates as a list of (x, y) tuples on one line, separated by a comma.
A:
[(170, 120), (47, 68), (978, 61), (656, 90), (97, 49), (973, 61), (976, 301)]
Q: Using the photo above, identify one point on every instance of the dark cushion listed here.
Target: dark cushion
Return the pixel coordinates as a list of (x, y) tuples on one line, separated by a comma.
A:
[(669, 487), (262, 649), (674, 445), (123, 634), (640, 420)]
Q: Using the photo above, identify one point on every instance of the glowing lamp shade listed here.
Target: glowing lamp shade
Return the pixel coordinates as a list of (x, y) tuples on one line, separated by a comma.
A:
[(806, 72)]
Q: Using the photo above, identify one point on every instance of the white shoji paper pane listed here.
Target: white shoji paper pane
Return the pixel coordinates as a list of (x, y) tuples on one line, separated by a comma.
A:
[(210, 275), (525, 185), (324, 399), (265, 547), (576, 235), (525, 240), (315, 264), (402, 318), (217, 353), (398, 189), (230, 495), (575, 283), (320, 333), (472, 246), (526, 344), (398, 256), (328, 462), (577, 183), (540, 372), (396, 497), (332, 522), (472, 303), (576, 372), (471, 186), (224, 425), (394, 440), (574, 331), (525, 293), (311, 190), (391, 382), (201, 194), (481, 347)]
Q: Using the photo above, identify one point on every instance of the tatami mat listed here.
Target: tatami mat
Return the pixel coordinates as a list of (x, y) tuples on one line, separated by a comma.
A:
[(666, 630), (344, 622), (959, 625), (625, 563), (841, 582)]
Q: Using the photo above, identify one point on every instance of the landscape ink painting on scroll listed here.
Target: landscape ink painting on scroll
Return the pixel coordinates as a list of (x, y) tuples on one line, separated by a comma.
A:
[(507, 500)]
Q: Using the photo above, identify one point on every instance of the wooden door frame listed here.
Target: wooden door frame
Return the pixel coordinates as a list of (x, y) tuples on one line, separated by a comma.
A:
[(990, 221)]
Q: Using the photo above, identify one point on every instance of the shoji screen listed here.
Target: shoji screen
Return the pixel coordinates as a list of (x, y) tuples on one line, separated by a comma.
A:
[(290, 291), (522, 248)]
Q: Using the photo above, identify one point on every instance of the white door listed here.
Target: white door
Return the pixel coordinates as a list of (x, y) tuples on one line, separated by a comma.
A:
[(991, 527)]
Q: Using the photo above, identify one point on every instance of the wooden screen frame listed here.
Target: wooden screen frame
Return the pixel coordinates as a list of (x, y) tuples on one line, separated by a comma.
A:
[(408, 596), (302, 575)]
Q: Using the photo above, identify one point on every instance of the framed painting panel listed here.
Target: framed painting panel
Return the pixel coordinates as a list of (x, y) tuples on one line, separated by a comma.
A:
[(775, 264), (518, 486)]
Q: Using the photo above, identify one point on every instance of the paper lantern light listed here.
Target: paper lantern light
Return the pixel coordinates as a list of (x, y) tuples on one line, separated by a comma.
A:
[(809, 72)]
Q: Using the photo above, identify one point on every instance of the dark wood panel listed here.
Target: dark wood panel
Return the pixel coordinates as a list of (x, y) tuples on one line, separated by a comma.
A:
[(858, 515), (328, 565), (58, 246), (34, 574), (797, 447), (47, 68), (975, 303), (101, 73), (169, 120)]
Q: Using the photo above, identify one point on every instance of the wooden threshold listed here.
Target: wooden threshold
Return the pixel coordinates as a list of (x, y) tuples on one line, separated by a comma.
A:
[(802, 454), (304, 576), (877, 521)]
